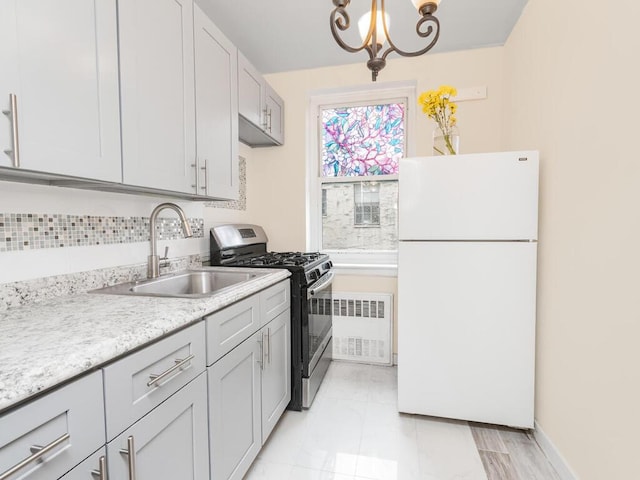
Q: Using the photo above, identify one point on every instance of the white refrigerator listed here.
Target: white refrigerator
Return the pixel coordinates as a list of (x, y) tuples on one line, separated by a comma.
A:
[(468, 229)]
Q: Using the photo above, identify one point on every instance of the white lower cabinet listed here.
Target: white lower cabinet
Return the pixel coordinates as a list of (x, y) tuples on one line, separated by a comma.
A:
[(234, 410), (46, 438), (169, 442), (276, 371), (250, 386), (161, 418)]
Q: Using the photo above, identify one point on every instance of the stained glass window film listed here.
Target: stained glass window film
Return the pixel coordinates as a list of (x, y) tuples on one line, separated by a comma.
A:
[(362, 140)]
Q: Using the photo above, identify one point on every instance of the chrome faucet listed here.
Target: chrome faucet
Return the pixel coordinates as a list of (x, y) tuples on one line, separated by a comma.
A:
[(153, 265)]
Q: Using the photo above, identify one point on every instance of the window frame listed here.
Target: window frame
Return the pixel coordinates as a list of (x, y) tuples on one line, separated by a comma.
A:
[(376, 262)]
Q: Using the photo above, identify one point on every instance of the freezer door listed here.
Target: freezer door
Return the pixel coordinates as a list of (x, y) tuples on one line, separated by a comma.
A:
[(491, 196), (466, 330)]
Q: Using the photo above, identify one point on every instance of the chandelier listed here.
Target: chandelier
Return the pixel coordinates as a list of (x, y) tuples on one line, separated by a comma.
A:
[(375, 25)]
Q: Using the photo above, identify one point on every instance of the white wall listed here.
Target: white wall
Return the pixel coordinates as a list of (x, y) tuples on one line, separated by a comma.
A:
[(571, 81)]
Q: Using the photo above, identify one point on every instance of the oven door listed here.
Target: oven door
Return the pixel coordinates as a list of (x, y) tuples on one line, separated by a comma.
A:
[(316, 330)]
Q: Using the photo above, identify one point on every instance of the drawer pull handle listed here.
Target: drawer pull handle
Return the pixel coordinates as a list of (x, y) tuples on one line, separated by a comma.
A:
[(158, 378), (101, 473), (269, 345), (261, 343), (12, 113), (130, 452), (39, 452)]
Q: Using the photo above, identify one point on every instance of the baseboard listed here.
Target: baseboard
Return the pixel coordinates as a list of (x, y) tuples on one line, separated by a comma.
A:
[(553, 454)]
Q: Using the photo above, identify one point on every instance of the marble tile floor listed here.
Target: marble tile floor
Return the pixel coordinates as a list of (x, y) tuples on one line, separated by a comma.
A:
[(354, 432)]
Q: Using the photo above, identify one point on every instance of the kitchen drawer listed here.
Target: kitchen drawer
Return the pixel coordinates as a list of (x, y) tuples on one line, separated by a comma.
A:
[(229, 327), (130, 391), (76, 410), (274, 300)]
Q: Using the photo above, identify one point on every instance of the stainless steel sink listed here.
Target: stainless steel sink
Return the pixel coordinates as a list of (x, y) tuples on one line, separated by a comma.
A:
[(198, 283)]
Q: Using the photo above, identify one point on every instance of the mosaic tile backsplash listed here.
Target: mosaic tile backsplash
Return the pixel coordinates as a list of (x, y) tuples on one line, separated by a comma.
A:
[(241, 203), (29, 231)]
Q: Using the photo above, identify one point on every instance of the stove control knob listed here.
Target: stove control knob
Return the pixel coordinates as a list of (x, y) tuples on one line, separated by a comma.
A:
[(313, 275), (327, 265)]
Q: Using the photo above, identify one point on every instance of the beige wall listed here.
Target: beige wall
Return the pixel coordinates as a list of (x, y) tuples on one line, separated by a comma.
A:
[(572, 83), (277, 176)]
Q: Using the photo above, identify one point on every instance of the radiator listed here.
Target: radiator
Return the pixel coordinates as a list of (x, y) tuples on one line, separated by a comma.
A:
[(362, 327)]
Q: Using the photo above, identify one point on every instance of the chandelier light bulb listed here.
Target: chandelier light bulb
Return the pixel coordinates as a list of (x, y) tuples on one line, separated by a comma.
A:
[(420, 4), (365, 22)]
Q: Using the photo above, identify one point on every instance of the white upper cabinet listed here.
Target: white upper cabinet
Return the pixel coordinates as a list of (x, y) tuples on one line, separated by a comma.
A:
[(216, 79), (251, 92), (261, 121), (274, 106), (157, 94), (60, 60)]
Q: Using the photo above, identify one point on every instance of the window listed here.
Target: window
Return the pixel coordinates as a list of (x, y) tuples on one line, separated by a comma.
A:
[(366, 197), (353, 185)]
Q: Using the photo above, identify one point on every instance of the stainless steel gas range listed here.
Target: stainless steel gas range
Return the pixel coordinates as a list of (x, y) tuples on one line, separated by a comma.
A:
[(242, 245)]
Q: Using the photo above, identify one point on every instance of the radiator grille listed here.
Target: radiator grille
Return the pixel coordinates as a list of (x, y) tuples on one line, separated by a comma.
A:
[(362, 327)]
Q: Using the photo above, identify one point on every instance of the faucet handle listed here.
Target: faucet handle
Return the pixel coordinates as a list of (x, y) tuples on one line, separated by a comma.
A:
[(164, 260)]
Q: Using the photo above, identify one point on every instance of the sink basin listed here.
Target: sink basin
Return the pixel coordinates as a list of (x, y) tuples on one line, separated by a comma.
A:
[(186, 284)]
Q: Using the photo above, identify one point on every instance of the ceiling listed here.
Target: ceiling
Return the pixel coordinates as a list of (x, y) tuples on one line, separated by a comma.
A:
[(279, 35)]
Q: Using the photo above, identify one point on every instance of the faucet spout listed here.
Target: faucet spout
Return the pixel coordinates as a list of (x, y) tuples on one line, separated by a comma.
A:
[(153, 264)]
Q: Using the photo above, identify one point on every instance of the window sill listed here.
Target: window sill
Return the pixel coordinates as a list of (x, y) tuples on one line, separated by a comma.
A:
[(368, 270)]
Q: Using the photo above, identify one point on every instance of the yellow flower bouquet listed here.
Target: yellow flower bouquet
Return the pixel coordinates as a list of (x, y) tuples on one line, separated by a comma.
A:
[(437, 105)]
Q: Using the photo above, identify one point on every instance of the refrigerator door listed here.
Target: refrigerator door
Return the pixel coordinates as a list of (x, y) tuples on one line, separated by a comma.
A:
[(490, 196), (466, 330)]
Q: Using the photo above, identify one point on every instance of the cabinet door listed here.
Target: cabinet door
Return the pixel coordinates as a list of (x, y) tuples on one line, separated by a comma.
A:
[(234, 410), (275, 114), (276, 375), (60, 59), (250, 92), (170, 442), (70, 421), (157, 83), (216, 61)]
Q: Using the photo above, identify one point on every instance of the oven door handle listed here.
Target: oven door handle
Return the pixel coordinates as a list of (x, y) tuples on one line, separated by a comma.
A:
[(314, 290)]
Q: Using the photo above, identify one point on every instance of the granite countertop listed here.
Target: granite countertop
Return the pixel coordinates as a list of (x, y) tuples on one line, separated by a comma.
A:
[(45, 344)]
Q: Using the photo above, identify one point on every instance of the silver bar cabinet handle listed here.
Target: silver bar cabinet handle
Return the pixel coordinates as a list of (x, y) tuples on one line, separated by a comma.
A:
[(13, 114), (180, 362), (269, 117), (130, 452), (267, 349), (261, 342), (195, 167), (37, 453), (206, 177), (101, 473)]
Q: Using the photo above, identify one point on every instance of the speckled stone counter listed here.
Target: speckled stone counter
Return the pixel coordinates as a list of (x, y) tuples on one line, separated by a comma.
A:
[(45, 344)]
